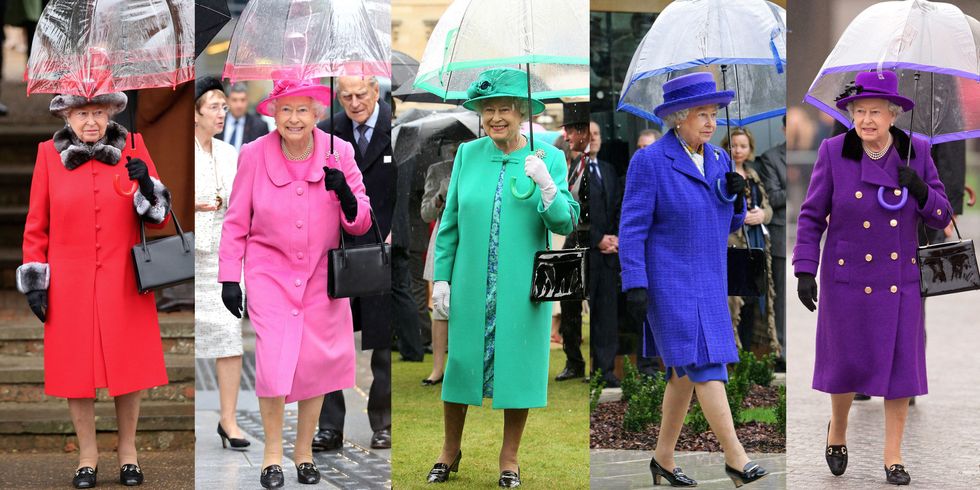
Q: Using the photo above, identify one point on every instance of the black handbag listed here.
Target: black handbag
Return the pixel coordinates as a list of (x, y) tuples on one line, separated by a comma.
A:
[(560, 275), (165, 261), (363, 270), (747, 270), (949, 267)]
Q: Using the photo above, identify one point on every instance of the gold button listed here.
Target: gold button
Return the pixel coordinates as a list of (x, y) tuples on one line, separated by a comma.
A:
[(840, 262), (858, 194), (939, 212), (894, 255), (867, 258), (898, 192), (893, 222), (913, 260), (867, 224), (867, 290), (893, 289)]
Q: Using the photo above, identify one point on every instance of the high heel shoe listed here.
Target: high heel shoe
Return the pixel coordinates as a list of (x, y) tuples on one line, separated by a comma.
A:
[(896, 475), (509, 479), (271, 477), (85, 477), (308, 473), (130, 475), (750, 473), (836, 456), (440, 471), (675, 478), (236, 444)]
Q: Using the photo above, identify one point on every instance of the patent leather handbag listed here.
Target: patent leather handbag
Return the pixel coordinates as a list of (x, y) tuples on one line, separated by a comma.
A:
[(165, 261), (949, 267), (560, 275), (363, 270), (747, 271)]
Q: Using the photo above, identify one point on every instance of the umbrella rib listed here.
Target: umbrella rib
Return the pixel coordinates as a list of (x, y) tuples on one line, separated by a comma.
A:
[(452, 55)]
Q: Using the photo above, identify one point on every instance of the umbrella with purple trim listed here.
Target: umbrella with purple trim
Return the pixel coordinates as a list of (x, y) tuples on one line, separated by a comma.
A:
[(933, 47)]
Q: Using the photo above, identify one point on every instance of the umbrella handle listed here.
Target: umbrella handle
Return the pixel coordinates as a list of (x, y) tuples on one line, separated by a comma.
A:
[(117, 183), (518, 194), (892, 207), (720, 190)]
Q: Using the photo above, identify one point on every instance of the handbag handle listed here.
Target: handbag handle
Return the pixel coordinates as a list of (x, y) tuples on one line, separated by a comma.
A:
[(180, 232), (377, 237)]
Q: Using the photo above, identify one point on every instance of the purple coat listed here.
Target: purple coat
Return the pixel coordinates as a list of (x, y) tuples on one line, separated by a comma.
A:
[(870, 329)]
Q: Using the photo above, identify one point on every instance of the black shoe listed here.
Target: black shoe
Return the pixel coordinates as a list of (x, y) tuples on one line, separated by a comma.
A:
[(570, 373), (750, 473), (440, 471), (328, 440), (381, 439), (85, 477), (676, 478), (912, 401), (3, 109), (131, 475), (509, 479), (896, 475), (236, 444), (432, 382), (836, 456), (307, 473), (272, 477), (861, 397)]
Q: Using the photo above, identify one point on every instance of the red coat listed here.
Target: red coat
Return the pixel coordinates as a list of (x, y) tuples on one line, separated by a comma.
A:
[(100, 332)]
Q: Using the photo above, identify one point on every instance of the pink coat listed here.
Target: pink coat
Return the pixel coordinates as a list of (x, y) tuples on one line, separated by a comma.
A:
[(283, 229)]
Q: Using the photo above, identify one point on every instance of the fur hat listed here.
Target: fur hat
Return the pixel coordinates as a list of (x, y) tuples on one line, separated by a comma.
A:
[(204, 85), (62, 103)]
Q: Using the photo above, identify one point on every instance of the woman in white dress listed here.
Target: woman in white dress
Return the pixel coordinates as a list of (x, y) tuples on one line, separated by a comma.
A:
[(216, 335)]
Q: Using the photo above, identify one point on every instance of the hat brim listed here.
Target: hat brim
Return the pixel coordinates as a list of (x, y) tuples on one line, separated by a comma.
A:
[(318, 93), (722, 98), (904, 102), (61, 104), (537, 106)]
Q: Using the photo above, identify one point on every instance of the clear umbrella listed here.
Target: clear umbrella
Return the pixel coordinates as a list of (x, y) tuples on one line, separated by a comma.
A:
[(741, 42), (933, 47)]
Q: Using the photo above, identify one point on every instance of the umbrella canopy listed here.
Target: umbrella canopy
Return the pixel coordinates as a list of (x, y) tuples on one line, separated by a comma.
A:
[(93, 47), (306, 39), (746, 37), (420, 139), (474, 35), (936, 40), (403, 69), (209, 17)]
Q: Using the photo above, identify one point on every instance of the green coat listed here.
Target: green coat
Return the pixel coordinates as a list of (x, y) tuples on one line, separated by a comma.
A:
[(523, 329)]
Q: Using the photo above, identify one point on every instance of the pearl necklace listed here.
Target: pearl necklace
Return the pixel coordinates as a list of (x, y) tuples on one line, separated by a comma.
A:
[(289, 156), (876, 155)]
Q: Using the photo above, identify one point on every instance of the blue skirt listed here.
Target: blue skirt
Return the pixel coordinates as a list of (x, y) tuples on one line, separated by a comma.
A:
[(703, 369)]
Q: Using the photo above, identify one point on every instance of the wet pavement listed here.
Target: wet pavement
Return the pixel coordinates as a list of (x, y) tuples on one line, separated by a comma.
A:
[(617, 468)]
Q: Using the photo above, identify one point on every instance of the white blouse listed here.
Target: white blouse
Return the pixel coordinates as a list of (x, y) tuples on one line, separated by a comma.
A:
[(213, 178)]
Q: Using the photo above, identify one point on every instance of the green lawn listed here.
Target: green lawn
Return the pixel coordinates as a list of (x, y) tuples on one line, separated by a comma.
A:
[(554, 449)]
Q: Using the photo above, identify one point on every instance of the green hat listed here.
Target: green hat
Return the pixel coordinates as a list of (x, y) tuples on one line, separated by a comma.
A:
[(500, 82)]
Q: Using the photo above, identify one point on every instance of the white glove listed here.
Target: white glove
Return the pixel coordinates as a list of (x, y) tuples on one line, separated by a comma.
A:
[(535, 168), (440, 298)]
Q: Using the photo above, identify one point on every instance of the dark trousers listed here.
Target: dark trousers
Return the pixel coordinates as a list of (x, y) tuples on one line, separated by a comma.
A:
[(779, 302), (379, 398), (405, 320), (570, 328), (746, 324), (603, 302), (420, 292)]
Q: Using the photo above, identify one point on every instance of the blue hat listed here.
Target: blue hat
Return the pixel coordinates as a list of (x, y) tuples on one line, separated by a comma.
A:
[(692, 90)]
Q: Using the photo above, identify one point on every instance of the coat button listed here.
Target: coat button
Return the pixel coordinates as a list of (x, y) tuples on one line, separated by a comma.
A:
[(939, 212), (95, 191), (840, 261), (858, 194), (867, 290), (913, 260), (295, 312), (299, 255), (893, 289), (893, 223), (297, 283), (98, 227), (98, 265), (867, 258), (867, 224), (299, 223), (97, 209), (299, 191), (98, 246), (894, 255), (898, 192)]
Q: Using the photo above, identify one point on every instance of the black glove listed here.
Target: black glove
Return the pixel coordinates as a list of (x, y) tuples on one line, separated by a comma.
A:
[(138, 172), (38, 301), (636, 304), (735, 185), (231, 296), (806, 289), (917, 187), (334, 180)]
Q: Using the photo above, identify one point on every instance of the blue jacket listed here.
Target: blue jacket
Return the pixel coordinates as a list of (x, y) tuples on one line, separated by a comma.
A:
[(672, 241)]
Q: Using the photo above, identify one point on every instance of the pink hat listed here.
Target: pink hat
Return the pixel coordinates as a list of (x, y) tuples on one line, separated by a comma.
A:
[(295, 88)]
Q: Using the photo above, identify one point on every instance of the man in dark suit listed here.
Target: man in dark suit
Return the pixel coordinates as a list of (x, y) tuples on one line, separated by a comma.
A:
[(771, 167), (366, 123), (241, 127)]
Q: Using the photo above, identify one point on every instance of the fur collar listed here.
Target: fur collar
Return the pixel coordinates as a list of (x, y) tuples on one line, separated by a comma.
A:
[(853, 150), (107, 150)]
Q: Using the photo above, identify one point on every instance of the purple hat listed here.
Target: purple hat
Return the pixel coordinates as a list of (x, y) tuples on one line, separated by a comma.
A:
[(874, 85), (692, 90)]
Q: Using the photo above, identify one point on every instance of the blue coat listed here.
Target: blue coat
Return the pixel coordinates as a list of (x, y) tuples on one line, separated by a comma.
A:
[(672, 241)]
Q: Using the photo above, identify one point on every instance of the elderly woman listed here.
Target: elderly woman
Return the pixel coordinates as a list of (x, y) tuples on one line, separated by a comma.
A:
[(289, 202), (754, 318), (870, 331), (681, 202), (78, 275), (216, 336), (498, 338)]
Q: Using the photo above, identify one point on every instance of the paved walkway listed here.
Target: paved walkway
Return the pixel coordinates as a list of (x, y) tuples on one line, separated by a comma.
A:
[(171, 470), (618, 469), (356, 466), (942, 435)]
